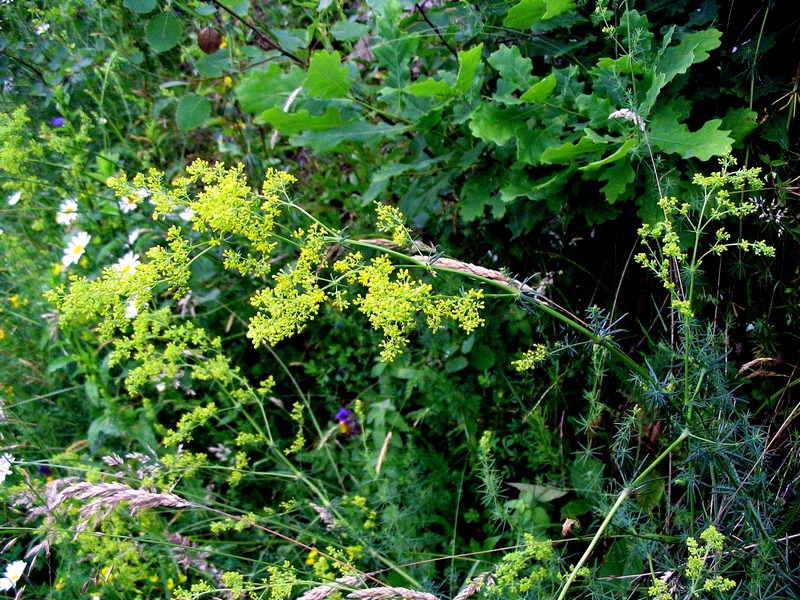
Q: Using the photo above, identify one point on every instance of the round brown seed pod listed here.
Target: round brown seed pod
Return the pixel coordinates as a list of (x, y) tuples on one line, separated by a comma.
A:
[(209, 40)]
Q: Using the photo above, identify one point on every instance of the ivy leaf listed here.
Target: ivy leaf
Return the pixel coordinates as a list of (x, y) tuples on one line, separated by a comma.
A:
[(667, 135), (291, 123), (528, 12), (261, 90), (164, 31), (327, 76)]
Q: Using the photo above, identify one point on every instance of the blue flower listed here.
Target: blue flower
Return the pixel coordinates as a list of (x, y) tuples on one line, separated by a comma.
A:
[(348, 421), (57, 121)]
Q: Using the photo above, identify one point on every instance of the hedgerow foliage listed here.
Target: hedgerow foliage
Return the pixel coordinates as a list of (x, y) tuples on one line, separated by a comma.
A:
[(387, 299)]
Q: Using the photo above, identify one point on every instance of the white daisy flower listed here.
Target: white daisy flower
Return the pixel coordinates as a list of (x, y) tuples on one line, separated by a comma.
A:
[(12, 574), (126, 205), (75, 248), (14, 198), (40, 29), (127, 264), (67, 212)]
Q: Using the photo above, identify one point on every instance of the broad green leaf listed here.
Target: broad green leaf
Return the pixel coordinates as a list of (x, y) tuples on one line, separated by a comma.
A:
[(357, 131), (348, 31), (692, 48), (429, 87), (140, 6), (291, 123), (261, 90), (540, 493), (193, 110), (666, 134), (164, 31), (214, 65), (648, 495), (395, 54), (540, 90), (327, 76), (741, 122), (513, 68), (468, 62), (493, 123), (291, 40), (623, 150), (532, 143), (624, 65), (569, 152), (619, 176), (476, 194), (239, 7), (528, 12)]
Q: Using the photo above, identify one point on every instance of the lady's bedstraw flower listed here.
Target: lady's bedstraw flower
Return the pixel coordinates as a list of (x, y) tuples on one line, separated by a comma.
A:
[(126, 205), (127, 264), (67, 212), (12, 574), (75, 248), (14, 198), (5, 466)]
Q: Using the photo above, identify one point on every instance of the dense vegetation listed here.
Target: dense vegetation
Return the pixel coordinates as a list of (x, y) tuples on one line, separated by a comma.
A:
[(378, 299)]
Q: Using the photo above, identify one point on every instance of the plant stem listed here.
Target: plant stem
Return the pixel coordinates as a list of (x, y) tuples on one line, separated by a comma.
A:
[(622, 497)]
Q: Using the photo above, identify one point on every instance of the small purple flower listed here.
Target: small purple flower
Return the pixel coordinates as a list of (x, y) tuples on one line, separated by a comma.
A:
[(57, 121), (348, 421)]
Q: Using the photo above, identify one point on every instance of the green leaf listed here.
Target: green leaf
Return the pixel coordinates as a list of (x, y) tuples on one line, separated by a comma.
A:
[(357, 131), (493, 123), (261, 90), (348, 31), (395, 54), (569, 152), (164, 31), (140, 6), (291, 123), (540, 90), (513, 68), (619, 177), (540, 493), (528, 12), (649, 493), (667, 135), (622, 151), (476, 194), (468, 62), (693, 48), (741, 122), (193, 110), (429, 87), (327, 76), (239, 7)]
